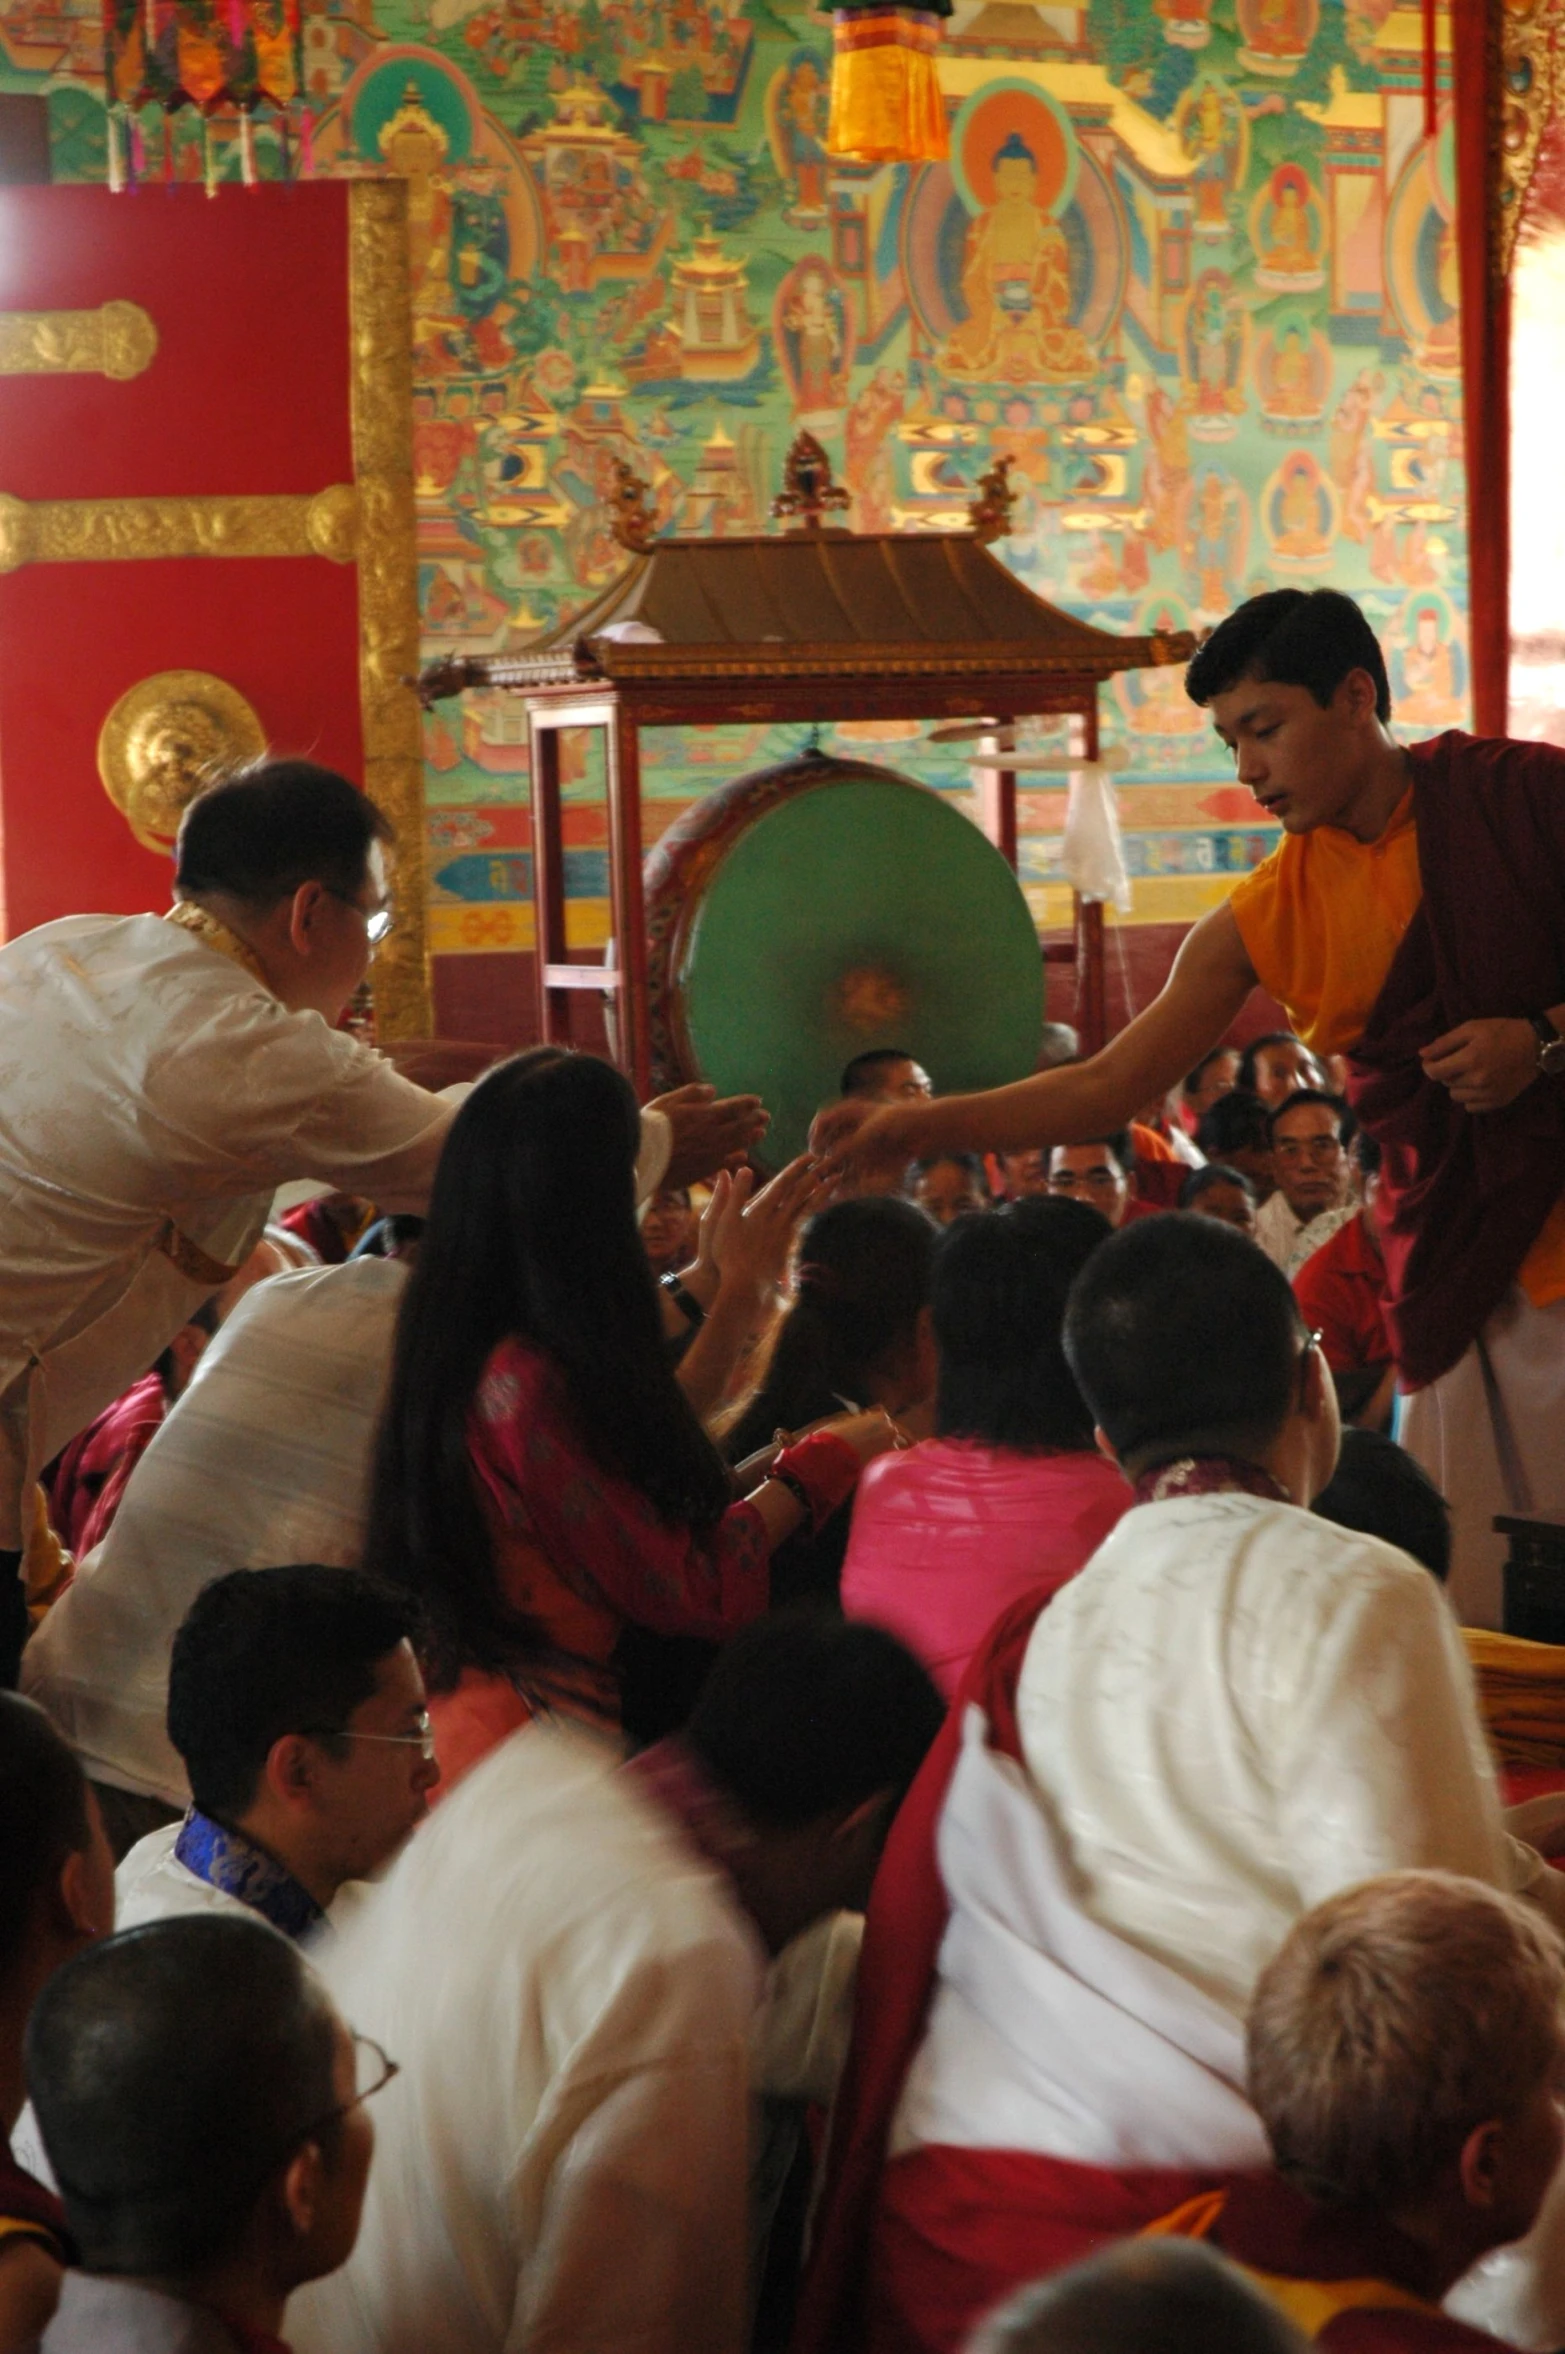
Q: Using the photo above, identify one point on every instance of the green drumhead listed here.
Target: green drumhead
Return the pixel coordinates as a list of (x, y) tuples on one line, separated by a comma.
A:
[(862, 912)]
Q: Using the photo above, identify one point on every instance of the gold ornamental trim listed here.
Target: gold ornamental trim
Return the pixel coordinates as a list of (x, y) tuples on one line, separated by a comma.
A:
[(380, 325), (118, 340), (164, 740), (101, 531)]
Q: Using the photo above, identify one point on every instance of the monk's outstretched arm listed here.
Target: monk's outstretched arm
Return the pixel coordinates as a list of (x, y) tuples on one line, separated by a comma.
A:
[(1211, 978)]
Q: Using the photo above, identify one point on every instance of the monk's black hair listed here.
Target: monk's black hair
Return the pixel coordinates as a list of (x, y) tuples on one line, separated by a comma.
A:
[(43, 1818), (258, 835), (862, 1075), (1379, 1490), (1185, 1339), (1236, 1122), (1296, 638), (173, 2070)]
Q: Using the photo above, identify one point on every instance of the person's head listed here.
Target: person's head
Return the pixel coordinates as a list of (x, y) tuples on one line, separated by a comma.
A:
[(1213, 1076), (291, 857), (1406, 2054), (1296, 684), (668, 1229), (1220, 1192), (951, 1185), (1276, 1066), (1026, 1174), (1058, 1042), (1187, 1340), (298, 1707), (201, 2105), (1379, 1489), (1309, 1152), (887, 1074), (531, 1235), (858, 1329), (813, 1727), (56, 1871), (185, 1351), (1099, 1174), (1145, 2296), (1000, 1289), (1238, 1132)]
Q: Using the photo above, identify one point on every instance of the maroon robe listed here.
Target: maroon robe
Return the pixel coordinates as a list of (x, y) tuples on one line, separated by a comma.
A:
[(1465, 1196)]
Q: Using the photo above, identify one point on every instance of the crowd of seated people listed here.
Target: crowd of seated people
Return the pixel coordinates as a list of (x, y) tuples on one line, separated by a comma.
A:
[(699, 1763)]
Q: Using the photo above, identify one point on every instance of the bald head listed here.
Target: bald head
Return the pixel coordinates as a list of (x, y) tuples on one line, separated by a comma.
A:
[(174, 2069), (1147, 2296)]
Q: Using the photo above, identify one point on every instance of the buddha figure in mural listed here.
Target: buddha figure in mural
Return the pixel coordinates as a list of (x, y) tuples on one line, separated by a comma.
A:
[(1016, 284), (1288, 243)]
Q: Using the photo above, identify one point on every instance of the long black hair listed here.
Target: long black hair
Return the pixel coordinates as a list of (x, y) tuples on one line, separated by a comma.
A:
[(1001, 1284), (864, 1273), (531, 1233)]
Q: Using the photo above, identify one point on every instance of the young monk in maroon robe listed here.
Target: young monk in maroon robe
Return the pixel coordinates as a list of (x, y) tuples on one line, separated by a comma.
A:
[(1413, 919), (1407, 2059)]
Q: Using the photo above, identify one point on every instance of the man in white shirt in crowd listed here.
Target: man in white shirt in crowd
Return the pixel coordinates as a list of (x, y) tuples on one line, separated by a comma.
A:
[(297, 1707), (1315, 1193), (1235, 1710), (160, 1077), (567, 1962)]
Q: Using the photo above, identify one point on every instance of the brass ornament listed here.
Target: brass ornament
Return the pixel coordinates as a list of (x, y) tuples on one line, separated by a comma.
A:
[(633, 524), (1531, 39), (165, 740), (117, 340), (808, 490), (989, 509), (380, 316), (104, 531)]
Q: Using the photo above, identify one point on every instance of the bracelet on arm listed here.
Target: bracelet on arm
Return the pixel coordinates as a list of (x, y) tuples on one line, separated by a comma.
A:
[(685, 1301), (797, 1490)]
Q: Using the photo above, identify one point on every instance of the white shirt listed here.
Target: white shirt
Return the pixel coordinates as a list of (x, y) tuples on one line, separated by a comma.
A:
[(148, 1081), (1287, 1240), (1237, 1709), (562, 2162), (151, 1884), (263, 1460)]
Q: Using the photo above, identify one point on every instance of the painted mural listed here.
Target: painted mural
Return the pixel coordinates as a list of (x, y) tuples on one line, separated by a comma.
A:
[(1190, 264)]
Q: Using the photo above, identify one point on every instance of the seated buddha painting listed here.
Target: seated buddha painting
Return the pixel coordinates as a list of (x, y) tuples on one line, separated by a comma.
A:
[(1014, 168)]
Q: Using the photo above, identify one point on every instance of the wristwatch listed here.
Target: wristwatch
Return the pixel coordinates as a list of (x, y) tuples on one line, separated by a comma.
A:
[(1551, 1046), (690, 1307)]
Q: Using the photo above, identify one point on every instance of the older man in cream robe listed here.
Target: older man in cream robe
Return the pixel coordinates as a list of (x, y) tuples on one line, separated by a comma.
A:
[(161, 1077)]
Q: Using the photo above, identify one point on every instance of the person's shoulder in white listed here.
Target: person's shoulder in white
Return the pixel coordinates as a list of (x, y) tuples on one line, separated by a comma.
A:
[(151, 1884)]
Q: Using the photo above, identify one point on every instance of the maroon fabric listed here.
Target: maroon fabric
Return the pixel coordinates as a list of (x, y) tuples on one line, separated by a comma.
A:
[(1485, 310), (1464, 1197), (1270, 2227), (907, 1919), (1208, 1475), (24, 2200)]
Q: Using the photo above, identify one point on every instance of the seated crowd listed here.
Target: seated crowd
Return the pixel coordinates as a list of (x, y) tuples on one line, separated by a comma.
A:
[(653, 1756)]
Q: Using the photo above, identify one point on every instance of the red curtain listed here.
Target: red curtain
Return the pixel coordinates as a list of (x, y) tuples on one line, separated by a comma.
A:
[(1486, 354)]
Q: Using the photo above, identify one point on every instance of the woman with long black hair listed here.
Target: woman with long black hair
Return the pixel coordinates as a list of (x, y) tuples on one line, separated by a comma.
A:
[(541, 1480)]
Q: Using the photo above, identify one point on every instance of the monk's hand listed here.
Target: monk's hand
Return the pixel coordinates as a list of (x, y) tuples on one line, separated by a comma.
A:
[(710, 1132), (857, 1142), (1485, 1064)]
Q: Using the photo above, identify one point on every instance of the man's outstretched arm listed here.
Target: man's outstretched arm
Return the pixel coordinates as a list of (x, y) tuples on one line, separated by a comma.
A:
[(1211, 978)]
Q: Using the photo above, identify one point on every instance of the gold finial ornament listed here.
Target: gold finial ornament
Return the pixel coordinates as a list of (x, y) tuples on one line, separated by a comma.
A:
[(632, 522), (808, 490), (166, 739), (989, 510)]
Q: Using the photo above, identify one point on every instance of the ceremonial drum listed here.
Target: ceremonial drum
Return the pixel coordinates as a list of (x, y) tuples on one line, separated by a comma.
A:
[(802, 915)]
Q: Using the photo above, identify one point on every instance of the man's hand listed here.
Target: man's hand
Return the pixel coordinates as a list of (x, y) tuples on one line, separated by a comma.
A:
[(857, 1141), (1486, 1064), (708, 1134)]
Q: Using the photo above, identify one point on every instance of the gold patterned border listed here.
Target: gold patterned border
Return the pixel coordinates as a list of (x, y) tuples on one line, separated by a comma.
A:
[(117, 340), (380, 328), (104, 531)]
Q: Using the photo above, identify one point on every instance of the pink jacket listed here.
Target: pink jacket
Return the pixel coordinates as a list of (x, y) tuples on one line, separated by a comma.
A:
[(950, 1533)]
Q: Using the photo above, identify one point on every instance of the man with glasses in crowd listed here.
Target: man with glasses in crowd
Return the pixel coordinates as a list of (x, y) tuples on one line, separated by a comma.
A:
[(162, 1076), (1101, 1175), (1314, 1194), (204, 2112), (298, 1708)]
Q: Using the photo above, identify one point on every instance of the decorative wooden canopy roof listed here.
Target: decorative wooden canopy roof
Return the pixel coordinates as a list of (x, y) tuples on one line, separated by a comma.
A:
[(812, 604)]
